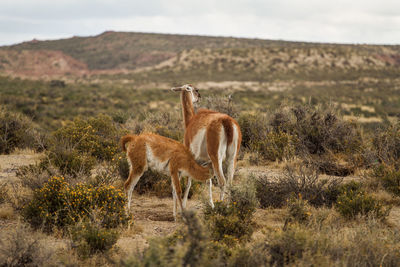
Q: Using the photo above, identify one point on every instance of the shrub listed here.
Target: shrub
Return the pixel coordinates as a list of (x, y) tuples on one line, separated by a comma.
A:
[(167, 124), (253, 128), (327, 142), (16, 131), (19, 247), (96, 136), (386, 144), (318, 130), (34, 176), (3, 192), (285, 247), (389, 177), (332, 164), (223, 104), (231, 221), (59, 204), (190, 247), (304, 182), (259, 137), (71, 161), (314, 133), (275, 146), (354, 201), (91, 238), (75, 147), (298, 211)]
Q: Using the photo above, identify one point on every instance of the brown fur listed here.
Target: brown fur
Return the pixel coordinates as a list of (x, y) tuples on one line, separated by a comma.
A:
[(175, 155), (188, 111), (212, 121)]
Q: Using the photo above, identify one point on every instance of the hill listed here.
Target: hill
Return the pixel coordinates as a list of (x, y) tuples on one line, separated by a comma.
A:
[(166, 57)]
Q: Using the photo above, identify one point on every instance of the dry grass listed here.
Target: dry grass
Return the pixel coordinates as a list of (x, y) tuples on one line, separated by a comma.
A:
[(7, 212)]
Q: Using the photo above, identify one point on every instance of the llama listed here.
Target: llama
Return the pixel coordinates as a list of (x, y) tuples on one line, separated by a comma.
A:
[(162, 154), (209, 135)]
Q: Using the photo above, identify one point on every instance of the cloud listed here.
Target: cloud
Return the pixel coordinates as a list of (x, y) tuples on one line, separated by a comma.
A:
[(341, 21)]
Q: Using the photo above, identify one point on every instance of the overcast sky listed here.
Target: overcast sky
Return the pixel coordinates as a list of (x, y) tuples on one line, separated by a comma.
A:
[(339, 21)]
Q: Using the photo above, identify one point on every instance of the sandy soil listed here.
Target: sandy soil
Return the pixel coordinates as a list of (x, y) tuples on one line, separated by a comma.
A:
[(9, 164)]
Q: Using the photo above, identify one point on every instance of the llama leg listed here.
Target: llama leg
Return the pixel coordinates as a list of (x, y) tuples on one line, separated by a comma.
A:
[(224, 185), (174, 200), (130, 185), (210, 192), (138, 165), (216, 152), (186, 195), (177, 189), (231, 161)]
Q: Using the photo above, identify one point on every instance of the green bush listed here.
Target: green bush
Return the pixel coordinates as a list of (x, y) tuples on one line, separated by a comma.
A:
[(318, 135), (318, 130), (231, 221), (389, 177), (386, 144), (354, 201), (3, 192), (275, 146), (91, 238), (35, 175), (298, 211), (20, 246), (165, 123), (253, 128), (286, 247), (301, 181), (97, 136), (16, 131), (259, 137), (75, 147), (71, 161), (58, 204), (188, 247)]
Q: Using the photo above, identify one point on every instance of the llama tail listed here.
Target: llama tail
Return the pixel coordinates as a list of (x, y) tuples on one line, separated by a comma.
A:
[(126, 139)]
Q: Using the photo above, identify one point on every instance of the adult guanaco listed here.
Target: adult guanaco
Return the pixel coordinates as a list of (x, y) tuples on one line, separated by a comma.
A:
[(209, 135)]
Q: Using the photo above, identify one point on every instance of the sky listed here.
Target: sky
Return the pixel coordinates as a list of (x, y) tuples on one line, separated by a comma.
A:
[(332, 21)]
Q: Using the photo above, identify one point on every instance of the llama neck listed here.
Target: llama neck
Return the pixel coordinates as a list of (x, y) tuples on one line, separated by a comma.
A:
[(197, 172), (187, 107)]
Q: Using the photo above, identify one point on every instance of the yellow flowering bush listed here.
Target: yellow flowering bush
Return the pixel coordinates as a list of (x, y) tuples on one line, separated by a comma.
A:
[(59, 204), (298, 210), (75, 147), (355, 201), (97, 136)]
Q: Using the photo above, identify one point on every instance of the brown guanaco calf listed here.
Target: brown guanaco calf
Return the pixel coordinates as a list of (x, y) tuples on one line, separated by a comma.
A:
[(162, 154)]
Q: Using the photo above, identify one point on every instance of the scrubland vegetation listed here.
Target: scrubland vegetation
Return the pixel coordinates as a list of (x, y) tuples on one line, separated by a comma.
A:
[(317, 181), (74, 193)]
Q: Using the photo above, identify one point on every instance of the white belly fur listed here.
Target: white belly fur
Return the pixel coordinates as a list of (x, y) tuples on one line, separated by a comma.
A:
[(154, 163), (198, 146)]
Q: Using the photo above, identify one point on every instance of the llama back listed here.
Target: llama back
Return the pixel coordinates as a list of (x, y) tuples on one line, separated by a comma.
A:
[(126, 139)]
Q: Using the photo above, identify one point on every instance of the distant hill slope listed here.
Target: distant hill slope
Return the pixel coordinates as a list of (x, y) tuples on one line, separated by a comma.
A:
[(130, 50), (166, 56)]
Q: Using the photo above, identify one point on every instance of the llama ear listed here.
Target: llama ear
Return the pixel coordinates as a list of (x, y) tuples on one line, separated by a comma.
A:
[(177, 89)]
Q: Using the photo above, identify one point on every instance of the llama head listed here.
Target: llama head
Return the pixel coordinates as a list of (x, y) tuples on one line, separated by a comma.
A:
[(194, 92)]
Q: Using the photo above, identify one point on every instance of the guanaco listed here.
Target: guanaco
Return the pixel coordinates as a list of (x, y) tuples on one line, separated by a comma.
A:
[(162, 154)]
